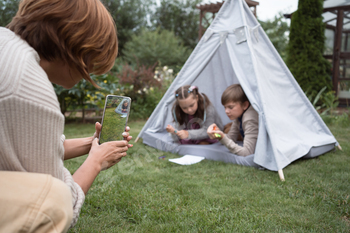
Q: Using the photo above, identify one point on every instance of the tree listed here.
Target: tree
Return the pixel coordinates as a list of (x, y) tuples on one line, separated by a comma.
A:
[(306, 45), (150, 47), (277, 30), (179, 16), (129, 16), (8, 9)]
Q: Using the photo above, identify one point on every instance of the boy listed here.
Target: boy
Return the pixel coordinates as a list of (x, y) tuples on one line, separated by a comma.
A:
[(245, 122)]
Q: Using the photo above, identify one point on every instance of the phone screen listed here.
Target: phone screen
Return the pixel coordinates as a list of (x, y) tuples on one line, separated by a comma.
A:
[(115, 118)]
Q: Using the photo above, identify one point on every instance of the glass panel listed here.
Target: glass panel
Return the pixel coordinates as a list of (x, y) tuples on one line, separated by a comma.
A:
[(328, 16), (347, 69), (344, 69), (345, 42), (346, 21), (344, 89), (335, 3), (329, 43), (346, 24)]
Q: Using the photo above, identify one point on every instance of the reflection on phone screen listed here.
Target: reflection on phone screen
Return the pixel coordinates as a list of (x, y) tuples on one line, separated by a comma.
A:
[(115, 118)]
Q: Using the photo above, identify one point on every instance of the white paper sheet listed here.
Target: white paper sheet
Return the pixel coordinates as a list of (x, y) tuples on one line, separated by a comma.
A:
[(187, 160)]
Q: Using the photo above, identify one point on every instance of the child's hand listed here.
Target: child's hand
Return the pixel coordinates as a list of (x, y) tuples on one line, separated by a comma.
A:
[(182, 134), (170, 129), (214, 132)]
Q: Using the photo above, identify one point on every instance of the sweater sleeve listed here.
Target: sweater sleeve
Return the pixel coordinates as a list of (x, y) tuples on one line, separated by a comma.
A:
[(31, 123), (250, 128), (212, 117), (234, 131), (78, 196)]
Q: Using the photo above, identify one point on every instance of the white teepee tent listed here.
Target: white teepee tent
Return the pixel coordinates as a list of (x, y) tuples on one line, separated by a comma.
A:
[(235, 49)]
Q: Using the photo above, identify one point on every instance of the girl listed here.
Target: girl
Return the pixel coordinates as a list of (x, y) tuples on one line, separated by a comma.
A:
[(125, 107), (192, 113)]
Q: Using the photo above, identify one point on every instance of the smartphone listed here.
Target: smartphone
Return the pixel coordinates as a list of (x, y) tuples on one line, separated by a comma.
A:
[(115, 118)]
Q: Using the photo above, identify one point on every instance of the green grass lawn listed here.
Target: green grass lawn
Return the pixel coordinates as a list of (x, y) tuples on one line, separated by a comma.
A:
[(145, 194)]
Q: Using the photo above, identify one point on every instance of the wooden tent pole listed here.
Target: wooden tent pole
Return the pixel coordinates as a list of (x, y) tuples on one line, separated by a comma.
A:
[(280, 173), (136, 139), (339, 147)]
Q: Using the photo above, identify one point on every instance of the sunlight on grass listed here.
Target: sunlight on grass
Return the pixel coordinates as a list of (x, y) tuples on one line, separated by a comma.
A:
[(143, 193)]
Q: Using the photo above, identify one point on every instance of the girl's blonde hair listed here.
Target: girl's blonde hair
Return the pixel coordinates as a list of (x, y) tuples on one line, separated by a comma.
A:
[(183, 93), (82, 33)]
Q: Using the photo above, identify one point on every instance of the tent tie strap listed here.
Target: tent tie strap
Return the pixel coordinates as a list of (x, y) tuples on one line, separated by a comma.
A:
[(238, 32)]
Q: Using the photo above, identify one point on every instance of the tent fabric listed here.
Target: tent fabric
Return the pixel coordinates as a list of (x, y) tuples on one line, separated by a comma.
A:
[(235, 49)]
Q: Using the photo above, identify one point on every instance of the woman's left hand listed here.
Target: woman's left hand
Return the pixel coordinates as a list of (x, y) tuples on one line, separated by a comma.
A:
[(182, 134), (98, 128)]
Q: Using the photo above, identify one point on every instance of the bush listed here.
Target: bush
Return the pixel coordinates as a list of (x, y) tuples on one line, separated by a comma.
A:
[(84, 94), (145, 86), (305, 49)]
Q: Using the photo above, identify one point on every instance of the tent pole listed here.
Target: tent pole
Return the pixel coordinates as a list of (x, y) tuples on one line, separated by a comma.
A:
[(136, 139), (339, 147), (280, 173)]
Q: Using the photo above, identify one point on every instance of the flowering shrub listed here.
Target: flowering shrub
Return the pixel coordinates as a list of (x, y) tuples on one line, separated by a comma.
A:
[(147, 86), (144, 85)]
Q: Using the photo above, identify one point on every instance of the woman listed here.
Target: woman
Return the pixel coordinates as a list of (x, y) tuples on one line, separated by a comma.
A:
[(61, 42)]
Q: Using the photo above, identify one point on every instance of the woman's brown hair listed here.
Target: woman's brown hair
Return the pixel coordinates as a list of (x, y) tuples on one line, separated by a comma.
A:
[(82, 33), (183, 93), (233, 93)]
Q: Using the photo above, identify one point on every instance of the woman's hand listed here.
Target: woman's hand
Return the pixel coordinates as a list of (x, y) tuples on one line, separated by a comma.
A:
[(101, 157), (108, 154), (127, 136), (113, 151), (214, 132), (98, 128), (182, 134)]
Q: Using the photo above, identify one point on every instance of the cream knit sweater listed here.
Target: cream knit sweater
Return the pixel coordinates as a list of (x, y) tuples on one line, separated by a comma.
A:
[(31, 123)]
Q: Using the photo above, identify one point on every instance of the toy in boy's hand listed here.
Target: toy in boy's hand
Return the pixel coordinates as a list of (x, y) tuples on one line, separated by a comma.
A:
[(216, 134)]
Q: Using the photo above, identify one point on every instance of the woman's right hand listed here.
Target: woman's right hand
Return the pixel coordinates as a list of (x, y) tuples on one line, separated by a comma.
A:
[(109, 153)]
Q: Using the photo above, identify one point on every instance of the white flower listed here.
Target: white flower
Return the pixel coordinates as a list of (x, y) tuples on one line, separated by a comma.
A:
[(170, 71), (156, 72), (145, 89), (139, 91), (155, 77), (151, 88), (165, 68)]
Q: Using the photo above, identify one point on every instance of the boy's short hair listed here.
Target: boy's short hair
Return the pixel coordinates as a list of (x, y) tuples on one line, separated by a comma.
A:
[(82, 33), (233, 93)]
